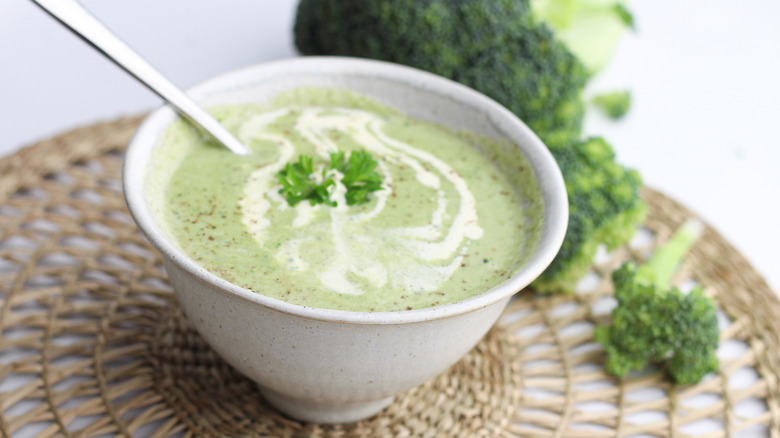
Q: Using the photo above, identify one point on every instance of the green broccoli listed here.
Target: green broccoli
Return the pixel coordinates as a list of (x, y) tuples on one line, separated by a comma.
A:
[(604, 208), (654, 323), (614, 104), (493, 46), (499, 48)]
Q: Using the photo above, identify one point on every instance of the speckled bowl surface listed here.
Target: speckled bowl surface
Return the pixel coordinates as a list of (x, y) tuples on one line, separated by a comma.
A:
[(329, 365)]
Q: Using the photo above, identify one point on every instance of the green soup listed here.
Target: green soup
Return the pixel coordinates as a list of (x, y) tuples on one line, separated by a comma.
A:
[(457, 215)]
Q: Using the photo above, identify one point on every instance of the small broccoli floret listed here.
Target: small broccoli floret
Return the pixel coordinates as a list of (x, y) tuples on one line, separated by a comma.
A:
[(493, 46), (615, 104), (654, 323), (604, 208)]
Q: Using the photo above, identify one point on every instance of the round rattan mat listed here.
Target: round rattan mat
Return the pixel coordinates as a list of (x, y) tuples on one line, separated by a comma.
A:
[(92, 342)]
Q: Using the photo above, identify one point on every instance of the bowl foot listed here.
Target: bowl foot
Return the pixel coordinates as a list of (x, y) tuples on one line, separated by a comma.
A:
[(324, 411)]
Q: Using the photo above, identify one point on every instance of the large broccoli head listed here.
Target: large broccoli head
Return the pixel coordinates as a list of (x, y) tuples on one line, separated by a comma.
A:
[(497, 47), (493, 46)]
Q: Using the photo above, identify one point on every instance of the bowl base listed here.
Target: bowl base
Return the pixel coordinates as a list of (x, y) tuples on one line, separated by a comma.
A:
[(324, 411)]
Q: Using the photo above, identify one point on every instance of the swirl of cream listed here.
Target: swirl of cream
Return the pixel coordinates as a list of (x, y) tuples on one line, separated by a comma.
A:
[(425, 257)]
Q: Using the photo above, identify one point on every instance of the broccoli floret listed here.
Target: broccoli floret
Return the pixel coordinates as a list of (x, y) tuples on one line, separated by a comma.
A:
[(614, 104), (654, 323), (493, 46), (499, 48), (604, 208)]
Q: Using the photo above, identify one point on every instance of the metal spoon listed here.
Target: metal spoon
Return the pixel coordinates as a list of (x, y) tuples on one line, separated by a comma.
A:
[(73, 16)]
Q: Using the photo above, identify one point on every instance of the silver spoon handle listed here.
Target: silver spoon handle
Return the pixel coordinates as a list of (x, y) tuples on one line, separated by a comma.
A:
[(71, 14)]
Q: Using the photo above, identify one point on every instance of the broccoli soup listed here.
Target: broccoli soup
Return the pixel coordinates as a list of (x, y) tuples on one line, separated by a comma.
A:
[(347, 204)]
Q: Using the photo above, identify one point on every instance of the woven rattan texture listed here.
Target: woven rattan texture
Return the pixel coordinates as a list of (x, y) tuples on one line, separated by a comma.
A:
[(92, 342)]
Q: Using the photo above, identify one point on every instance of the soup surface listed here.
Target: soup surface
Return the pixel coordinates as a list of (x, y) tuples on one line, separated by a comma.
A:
[(456, 215)]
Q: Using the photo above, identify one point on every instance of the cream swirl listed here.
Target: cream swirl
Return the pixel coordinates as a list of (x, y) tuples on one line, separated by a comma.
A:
[(422, 257)]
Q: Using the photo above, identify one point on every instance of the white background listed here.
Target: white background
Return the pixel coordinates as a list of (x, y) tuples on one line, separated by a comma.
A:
[(704, 76)]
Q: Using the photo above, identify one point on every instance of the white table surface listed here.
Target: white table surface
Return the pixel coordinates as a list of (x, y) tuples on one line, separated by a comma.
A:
[(704, 75)]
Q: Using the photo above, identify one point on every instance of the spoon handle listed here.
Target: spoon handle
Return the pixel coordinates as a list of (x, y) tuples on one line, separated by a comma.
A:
[(73, 16)]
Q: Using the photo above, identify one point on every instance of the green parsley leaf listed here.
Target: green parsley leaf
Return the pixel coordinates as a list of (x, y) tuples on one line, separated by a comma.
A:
[(360, 178), (298, 183)]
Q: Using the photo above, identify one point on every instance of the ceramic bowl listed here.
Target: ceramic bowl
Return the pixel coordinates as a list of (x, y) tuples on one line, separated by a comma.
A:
[(329, 365)]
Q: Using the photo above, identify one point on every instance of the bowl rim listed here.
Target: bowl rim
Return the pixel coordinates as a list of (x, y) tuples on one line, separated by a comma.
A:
[(546, 169)]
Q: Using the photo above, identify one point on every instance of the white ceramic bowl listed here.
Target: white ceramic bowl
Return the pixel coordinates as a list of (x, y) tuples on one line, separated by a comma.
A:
[(330, 365)]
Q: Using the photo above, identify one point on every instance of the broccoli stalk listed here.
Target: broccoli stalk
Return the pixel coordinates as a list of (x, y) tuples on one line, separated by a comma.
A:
[(590, 29), (499, 48), (656, 323)]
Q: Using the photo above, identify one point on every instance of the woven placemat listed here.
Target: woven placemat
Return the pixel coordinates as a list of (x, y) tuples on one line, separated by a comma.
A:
[(92, 342)]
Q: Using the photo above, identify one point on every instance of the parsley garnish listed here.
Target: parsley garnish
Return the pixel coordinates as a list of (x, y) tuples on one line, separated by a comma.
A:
[(360, 178)]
